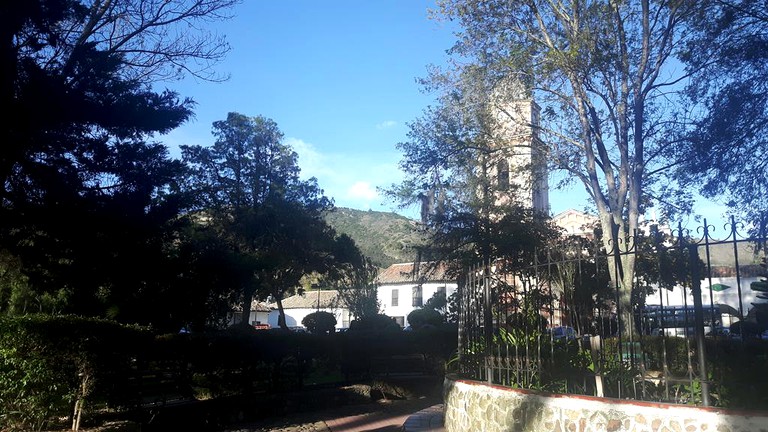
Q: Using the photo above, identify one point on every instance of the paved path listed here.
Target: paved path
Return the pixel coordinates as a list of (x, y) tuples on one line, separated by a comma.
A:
[(427, 420), (419, 415)]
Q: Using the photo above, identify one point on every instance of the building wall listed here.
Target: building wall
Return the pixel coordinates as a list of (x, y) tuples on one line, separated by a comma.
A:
[(254, 318), (293, 317), (475, 406), (576, 223), (405, 298)]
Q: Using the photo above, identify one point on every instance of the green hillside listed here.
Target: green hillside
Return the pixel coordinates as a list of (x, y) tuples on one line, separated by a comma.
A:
[(386, 238)]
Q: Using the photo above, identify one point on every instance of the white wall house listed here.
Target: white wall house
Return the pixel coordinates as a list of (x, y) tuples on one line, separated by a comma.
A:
[(299, 306), (258, 316), (403, 287)]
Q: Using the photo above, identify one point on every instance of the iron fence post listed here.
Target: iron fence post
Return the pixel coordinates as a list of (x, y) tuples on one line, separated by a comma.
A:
[(488, 322), (698, 317)]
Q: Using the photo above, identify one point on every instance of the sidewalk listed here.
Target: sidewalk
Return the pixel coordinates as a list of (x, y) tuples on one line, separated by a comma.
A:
[(419, 415), (427, 420), (394, 418)]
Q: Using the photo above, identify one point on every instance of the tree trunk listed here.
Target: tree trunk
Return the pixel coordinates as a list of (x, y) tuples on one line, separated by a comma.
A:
[(281, 314), (246, 305), (621, 268)]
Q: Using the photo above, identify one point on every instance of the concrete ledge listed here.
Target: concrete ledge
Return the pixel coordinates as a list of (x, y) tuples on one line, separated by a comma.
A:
[(477, 406)]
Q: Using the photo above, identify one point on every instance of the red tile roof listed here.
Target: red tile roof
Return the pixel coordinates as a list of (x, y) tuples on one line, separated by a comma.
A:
[(309, 300), (414, 273)]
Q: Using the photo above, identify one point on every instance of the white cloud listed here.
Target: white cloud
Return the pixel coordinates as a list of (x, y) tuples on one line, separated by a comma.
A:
[(311, 161), (386, 124), (362, 189), (351, 177)]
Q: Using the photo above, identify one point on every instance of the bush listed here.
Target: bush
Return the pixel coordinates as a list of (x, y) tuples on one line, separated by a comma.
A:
[(319, 322), (419, 318), (48, 363), (377, 322)]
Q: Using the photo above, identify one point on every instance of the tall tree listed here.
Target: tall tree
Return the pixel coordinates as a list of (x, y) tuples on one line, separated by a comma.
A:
[(250, 192), (726, 148), (604, 74), (355, 279), (85, 199), (53, 52)]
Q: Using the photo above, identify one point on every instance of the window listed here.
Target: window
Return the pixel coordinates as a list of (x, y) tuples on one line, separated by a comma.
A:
[(395, 297), (502, 171), (417, 300)]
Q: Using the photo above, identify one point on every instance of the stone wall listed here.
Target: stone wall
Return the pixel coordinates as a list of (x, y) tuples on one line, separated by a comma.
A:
[(476, 406)]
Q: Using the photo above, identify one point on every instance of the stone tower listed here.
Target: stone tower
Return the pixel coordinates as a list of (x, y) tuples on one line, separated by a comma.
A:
[(519, 162)]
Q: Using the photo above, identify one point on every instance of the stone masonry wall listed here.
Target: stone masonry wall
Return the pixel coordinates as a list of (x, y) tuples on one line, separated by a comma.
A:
[(476, 406)]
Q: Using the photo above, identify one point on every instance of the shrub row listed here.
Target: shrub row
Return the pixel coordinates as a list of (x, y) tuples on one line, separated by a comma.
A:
[(48, 363)]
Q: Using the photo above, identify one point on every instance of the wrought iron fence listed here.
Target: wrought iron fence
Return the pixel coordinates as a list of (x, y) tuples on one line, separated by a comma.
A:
[(692, 330)]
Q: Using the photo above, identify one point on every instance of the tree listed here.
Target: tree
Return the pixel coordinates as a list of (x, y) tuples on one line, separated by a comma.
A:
[(54, 54), (725, 150), (250, 194), (354, 278), (604, 76), (438, 302), (86, 199), (87, 203)]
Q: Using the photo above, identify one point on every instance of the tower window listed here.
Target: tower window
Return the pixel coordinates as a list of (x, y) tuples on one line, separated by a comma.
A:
[(502, 172)]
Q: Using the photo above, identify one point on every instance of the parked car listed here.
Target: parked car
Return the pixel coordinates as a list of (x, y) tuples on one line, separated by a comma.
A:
[(563, 333)]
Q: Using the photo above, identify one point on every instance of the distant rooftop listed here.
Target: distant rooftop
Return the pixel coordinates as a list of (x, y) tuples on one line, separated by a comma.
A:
[(258, 306), (414, 273), (309, 300)]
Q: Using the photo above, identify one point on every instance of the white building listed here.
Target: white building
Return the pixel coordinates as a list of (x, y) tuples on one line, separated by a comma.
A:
[(300, 305), (576, 223), (258, 317), (403, 287)]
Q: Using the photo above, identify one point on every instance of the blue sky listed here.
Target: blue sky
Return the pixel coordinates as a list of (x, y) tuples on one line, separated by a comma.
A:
[(340, 79)]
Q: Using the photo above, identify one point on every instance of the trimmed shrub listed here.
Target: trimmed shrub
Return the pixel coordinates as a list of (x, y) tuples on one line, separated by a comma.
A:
[(320, 322), (419, 318), (377, 322)]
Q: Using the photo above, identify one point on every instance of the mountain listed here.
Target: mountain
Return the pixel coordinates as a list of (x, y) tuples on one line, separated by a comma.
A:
[(385, 238)]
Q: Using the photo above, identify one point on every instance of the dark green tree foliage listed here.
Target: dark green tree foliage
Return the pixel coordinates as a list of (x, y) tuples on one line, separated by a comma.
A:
[(437, 302), (208, 271), (425, 317), (320, 322), (354, 277), (86, 199), (46, 363), (373, 323), (725, 148), (251, 199)]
